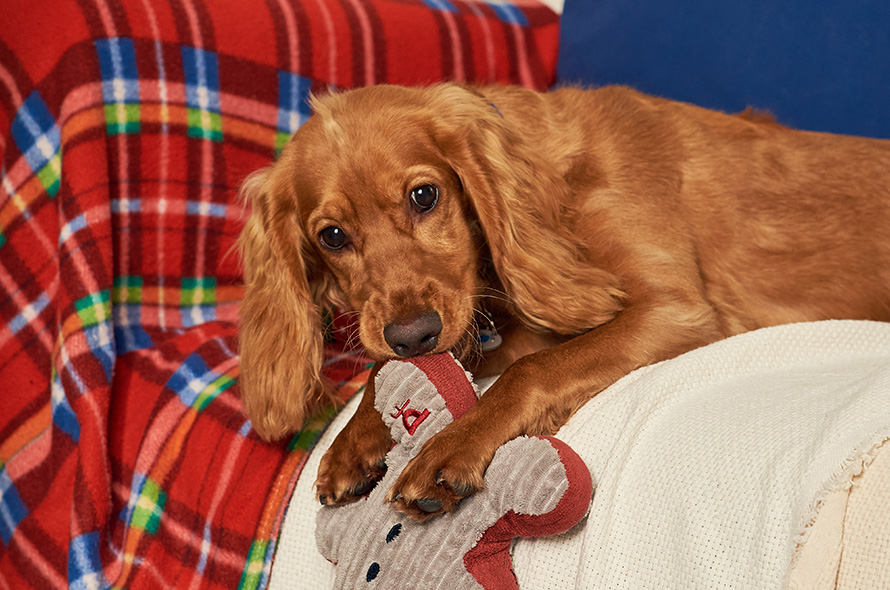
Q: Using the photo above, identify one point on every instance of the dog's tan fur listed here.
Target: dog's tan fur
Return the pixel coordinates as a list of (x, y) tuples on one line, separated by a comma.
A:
[(602, 230)]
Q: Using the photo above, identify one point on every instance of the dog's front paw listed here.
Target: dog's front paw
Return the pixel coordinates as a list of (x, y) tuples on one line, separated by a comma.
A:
[(354, 464), (448, 469)]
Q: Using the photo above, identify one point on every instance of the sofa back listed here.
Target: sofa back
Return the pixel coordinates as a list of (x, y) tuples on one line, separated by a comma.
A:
[(822, 65)]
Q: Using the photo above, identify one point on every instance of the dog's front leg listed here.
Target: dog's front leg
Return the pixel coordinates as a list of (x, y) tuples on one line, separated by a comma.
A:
[(354, 463), (539, 393)]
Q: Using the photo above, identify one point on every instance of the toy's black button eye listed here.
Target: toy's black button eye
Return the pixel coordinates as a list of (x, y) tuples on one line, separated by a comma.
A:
[(393, 532), (423, 198), (333, 238)]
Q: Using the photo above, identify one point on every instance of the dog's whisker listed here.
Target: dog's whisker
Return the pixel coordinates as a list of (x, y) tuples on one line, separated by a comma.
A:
[(493, 294), (469, 345), (484, 314), (353, 319)]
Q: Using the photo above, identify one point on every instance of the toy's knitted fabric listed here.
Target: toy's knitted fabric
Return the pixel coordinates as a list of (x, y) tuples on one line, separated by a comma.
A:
[(534, 487)]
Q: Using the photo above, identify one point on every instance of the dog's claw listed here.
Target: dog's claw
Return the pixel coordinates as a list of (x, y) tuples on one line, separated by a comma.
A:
[(377, 471), (442, 498), (462, 488), (429, 505), (363, 488)]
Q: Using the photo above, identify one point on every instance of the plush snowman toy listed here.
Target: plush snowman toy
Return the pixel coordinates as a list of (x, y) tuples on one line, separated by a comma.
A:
[(534, 486)]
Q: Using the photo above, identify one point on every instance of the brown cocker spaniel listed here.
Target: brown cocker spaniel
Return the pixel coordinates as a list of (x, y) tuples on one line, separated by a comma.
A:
[(596, 230)]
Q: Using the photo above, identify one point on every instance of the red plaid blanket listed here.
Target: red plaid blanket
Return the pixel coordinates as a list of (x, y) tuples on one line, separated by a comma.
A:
[(125, 130)]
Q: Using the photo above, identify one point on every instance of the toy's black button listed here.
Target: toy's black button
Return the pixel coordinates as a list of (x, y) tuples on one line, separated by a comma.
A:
[(393, 532), (373, 571)]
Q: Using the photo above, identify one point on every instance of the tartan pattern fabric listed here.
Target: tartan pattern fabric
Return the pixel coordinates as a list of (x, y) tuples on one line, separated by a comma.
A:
[(38, 139), (201, 70), (293, 108), (126, 459), (120, 84)]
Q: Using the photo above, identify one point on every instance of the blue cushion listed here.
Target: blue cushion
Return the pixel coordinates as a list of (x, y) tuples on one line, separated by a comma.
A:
[(815, 64)]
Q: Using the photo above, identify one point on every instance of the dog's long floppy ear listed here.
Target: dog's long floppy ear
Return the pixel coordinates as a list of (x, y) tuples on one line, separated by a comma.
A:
[(281, 341), (520, 200)]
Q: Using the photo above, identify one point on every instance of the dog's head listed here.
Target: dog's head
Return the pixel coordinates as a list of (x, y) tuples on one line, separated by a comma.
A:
[(381, 205), (385, 218)]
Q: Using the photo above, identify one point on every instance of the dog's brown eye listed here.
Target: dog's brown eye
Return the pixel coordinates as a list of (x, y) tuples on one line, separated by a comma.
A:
[(333, 238), (423, 198)]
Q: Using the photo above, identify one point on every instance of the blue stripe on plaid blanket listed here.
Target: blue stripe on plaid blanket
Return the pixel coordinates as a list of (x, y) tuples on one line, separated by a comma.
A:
[(12, 509), (37, 136), (120, 84), (201, 70)]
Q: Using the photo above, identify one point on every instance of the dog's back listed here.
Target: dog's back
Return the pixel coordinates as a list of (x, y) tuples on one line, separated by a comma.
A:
[(781, 225)]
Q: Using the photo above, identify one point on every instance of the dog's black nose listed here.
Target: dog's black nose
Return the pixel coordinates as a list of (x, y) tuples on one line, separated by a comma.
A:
[(415, 336)]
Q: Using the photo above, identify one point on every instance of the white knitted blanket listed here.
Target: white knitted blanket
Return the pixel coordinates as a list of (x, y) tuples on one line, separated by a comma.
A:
[(710, 468)]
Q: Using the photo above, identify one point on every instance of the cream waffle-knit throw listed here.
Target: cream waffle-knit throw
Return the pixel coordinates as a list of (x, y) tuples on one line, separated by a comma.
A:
[(710, 468)]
